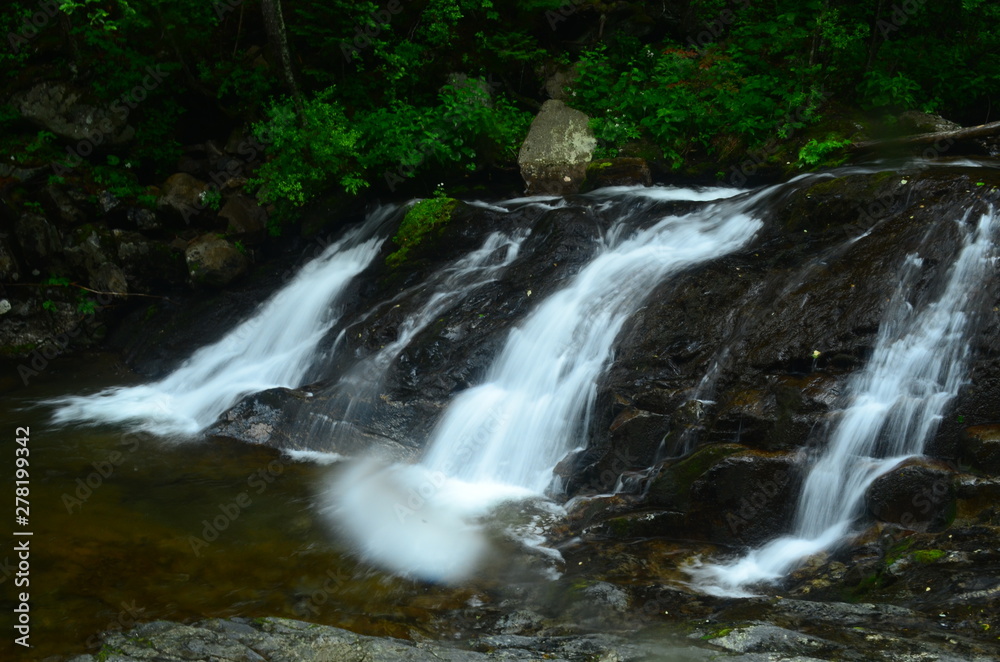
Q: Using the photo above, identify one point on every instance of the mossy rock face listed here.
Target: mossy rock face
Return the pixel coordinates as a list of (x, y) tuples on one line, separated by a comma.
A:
[(425, 220), (672, 486)]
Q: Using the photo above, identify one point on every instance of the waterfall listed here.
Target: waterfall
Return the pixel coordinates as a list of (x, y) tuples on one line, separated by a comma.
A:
[(446, 287), (894, 406), (272, 348), (534, 404), (501, 439)]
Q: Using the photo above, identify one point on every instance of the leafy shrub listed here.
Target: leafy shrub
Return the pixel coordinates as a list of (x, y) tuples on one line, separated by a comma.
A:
[(307, 152)]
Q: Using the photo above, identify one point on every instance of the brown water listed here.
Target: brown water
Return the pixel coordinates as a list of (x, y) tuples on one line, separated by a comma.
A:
[(116, 520)]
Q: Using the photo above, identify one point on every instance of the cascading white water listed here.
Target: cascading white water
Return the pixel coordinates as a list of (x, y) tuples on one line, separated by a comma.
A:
[(894, 406), (533, 405), (272, 348), (500, 440), (447, 288)]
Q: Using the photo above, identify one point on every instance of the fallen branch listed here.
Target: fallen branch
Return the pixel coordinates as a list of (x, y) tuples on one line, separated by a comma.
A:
[(81, 287), (965, 133)]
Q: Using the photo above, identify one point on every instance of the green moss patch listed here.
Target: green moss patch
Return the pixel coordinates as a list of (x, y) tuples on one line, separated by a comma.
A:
[(928, 555), (423, 218)]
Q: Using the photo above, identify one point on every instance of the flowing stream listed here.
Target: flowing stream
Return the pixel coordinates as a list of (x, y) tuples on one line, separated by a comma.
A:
[(446, 288), (533, 406), (272, 348), (893, 408), (501, 439)]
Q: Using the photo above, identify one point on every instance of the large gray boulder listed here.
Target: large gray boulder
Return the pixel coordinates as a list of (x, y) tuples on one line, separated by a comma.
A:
[(64, 110), (554, 156)]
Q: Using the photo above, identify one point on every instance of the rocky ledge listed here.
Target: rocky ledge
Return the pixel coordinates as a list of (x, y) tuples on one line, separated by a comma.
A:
[(751, 630)]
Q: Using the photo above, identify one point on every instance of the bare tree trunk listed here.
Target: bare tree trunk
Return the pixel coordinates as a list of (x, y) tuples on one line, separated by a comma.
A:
[(965, 133), (277, 37)]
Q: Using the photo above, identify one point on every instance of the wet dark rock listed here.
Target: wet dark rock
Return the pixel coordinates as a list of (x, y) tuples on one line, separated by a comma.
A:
[(39, 240), (981, 448), (64, 203), (269, 417), (144, 219), (109, 278), (9, 268), (181, 195), (245, 218), (623, 171), (89, 248), (257, 418), (149, 265), (212, 260), (747, 497), (917, 495)]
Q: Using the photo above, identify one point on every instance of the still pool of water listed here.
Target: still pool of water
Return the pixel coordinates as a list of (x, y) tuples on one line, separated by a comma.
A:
[(133, 528)]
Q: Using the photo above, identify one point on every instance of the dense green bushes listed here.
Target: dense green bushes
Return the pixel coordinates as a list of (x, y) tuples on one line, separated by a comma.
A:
[(435, 89)]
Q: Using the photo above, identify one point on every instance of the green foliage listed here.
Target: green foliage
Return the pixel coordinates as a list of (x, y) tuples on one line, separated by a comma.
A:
[(85, 305), (424, 217), (43, 139), (815, 153), (212, 198), (117, 179), (307, 152), (240, 88), (682, 102)]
